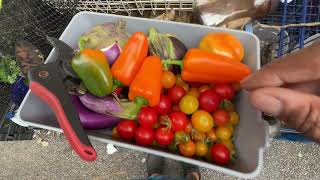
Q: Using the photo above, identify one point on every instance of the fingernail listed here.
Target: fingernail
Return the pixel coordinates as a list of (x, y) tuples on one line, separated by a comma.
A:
[(268, 104)]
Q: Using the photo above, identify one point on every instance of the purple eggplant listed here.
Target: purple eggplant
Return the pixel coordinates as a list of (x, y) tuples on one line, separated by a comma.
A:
[(168, 47), (112, 105), (104, 35), (93, 120), (112, 52), (103, 105)]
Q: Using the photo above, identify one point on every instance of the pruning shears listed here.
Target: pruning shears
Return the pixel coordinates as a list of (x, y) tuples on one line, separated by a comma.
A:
[(47, 82)]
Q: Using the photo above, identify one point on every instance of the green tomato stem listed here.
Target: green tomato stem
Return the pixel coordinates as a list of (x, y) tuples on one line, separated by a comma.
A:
[(139, 102), (166, 63), (116, 84)]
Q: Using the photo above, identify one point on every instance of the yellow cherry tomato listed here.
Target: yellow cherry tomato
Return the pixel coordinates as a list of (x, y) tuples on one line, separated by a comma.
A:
[(223, 133), (234, 118), (202, 121), (189, 104)]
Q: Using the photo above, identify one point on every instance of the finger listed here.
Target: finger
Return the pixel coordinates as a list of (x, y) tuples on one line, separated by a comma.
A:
[(296, 67), (309, 87), (298, 110)]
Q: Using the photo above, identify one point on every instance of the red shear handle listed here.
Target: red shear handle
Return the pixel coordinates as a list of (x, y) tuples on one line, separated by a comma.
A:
[(85, 151)]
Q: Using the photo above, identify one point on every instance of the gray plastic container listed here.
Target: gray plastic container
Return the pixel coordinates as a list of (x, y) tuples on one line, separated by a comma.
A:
[(251, 135)]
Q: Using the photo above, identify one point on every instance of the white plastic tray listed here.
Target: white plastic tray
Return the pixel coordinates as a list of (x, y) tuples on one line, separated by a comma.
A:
[(251, 135)]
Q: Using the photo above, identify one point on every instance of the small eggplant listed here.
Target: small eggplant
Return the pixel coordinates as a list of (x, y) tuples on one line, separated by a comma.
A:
[(93, 120), (167, 46), (112, 52), (112, 105)]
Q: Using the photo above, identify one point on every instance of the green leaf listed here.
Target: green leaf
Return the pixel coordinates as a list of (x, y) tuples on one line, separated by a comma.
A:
[(0, 5), (9, 70)]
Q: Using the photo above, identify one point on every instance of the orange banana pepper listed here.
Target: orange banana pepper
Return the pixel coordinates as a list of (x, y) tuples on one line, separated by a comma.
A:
[(130, 60), (224, 44), (147, 83), (206, 67)]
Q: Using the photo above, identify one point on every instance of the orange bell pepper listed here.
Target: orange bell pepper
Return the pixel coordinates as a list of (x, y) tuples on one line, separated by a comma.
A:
[(205, 67), (147, 83), (224, 44), (130, 60)]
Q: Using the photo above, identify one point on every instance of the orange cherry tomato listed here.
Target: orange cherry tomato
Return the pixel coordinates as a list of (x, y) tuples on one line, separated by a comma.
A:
[(201, 149), (211, 135), (198, 136), (187, 149), (202, 121), (168, 79), (115, 132)]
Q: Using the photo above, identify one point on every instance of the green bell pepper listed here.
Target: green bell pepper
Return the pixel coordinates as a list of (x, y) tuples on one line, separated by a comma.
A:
[(92, 67)]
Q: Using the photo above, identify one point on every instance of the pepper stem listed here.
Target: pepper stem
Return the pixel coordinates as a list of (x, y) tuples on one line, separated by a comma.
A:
[(166, 63)]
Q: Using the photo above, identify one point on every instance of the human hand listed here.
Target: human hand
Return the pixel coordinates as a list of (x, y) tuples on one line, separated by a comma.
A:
[(289, 89)]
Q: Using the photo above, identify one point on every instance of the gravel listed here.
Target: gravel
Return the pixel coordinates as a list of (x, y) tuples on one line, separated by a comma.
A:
[(32, 160)]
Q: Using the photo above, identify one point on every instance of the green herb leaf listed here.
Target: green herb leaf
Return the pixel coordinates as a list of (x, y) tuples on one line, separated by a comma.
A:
[(9, 69)]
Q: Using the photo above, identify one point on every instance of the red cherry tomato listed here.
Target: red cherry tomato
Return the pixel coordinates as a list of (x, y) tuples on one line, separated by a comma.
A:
[(209, 100), (188, 128), (147, 117), (144, 137), (176, 93), (164, 106), (220, 154), (221, 117), (175, 108), (225, 91), (179, 121), (126, 129), (164, 136)]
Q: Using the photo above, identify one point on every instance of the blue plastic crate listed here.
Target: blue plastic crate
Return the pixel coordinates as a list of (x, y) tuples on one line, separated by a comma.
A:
[(294, 12)]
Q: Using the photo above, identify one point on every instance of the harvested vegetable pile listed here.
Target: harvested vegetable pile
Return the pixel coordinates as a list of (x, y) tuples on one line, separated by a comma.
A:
[(154, 91)]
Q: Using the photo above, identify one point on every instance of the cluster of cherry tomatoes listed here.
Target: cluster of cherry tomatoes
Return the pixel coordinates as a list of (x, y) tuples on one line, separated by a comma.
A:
[(193, 119)]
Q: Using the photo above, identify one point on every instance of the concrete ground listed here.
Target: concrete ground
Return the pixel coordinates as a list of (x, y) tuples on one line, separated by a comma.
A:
[(32, 160)]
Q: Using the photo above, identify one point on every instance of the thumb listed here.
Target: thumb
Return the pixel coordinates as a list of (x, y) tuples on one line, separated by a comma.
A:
[(298, 110)]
